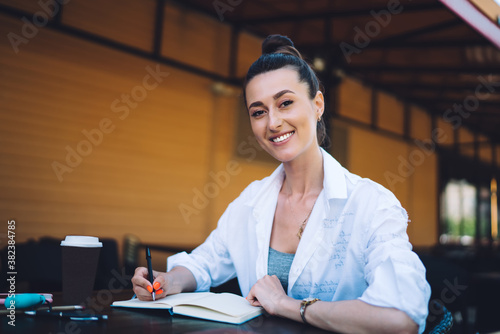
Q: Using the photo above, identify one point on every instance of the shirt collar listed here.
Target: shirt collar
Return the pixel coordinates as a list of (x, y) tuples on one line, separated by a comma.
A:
[(334, 182)]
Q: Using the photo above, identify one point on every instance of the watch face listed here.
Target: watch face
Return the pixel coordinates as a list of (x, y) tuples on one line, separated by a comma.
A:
[(310, 299)]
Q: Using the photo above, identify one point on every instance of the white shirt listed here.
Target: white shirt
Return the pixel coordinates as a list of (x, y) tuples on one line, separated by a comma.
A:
[(354, 245)]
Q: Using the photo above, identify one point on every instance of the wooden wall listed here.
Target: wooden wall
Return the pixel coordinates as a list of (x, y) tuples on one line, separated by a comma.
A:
[(163, 141), (379, 150), (156, 133)]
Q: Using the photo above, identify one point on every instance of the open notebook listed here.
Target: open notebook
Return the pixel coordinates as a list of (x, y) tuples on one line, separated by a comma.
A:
[(222, 307)]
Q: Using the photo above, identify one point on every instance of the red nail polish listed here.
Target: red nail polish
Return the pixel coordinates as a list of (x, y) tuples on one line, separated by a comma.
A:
[(156, 285), (150, 289), (159, 292)]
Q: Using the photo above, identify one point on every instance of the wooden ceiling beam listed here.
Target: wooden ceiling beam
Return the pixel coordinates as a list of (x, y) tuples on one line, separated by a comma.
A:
[(336, 14), (460, 87), (430, 44), (449, 102), (430, 29), (475, 70)]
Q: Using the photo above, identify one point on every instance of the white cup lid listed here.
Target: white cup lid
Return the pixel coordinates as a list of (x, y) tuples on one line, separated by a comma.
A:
[(81, 241)]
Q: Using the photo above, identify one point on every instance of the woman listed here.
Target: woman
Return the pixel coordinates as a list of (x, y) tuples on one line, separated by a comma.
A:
[(312, 236)]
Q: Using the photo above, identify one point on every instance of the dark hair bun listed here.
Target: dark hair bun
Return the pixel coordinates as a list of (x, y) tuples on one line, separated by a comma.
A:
[(273, 42), (279, 44)]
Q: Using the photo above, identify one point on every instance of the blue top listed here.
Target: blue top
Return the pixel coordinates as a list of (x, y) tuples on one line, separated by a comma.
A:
[(279, 264)]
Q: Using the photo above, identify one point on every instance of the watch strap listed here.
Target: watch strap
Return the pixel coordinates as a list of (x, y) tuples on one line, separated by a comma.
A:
[(303, 305)]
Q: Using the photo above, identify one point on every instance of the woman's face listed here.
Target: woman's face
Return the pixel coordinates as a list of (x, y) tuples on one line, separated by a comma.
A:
[(282, 116)]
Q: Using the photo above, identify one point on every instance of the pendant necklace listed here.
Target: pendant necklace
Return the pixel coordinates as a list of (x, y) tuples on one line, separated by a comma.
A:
[(303, 225)]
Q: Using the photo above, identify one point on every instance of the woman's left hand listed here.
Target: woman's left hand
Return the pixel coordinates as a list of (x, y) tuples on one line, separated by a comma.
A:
[(268, 293)]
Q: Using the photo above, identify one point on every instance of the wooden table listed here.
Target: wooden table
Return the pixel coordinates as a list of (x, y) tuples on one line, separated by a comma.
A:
[(126, 321)]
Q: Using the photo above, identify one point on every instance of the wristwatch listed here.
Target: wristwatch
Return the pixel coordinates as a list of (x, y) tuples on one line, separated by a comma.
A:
[(305, 303)]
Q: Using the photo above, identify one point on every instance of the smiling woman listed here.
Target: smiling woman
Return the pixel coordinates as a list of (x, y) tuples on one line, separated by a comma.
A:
[(312, 242), (280, 53), (282, 112)]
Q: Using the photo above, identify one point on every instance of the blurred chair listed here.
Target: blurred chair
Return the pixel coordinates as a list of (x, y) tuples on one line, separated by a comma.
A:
[(131, 245), (38, 266)]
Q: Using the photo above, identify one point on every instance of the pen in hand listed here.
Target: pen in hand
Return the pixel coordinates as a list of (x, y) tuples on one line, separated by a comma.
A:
[(150, 272)]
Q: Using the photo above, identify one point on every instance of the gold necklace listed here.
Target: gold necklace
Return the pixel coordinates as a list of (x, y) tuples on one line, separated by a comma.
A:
[(303, 225)]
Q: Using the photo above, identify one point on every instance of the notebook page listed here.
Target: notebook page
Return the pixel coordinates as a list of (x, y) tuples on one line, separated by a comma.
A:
[(226, 303)]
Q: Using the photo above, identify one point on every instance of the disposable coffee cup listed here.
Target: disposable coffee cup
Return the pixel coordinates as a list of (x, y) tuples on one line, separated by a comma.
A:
[(80, 255)]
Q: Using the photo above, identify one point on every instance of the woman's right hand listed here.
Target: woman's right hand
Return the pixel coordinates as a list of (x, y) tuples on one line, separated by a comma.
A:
[(143, 287), (177, 280)]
